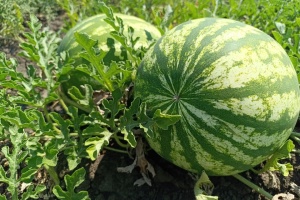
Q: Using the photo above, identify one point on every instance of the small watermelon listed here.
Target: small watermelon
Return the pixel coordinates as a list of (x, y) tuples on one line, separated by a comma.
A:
[(99, 30), (233, 85)]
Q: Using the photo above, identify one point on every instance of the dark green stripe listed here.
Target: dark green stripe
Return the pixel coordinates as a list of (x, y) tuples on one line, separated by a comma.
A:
[(208, 57), (205, 144), (260, 127), (230, 117)]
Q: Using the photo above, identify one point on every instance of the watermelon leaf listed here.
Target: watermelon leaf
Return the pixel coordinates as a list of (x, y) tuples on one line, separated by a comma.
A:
[(94, 56), (107, 10), (72, 182), (203, 188), (95, 144), (33, 192), (113, 76), (159, 120), (16, 154), (128, 41), (114, 105), (273, 164), (136, 117), (128, 122), (84, 97), (163, 120)]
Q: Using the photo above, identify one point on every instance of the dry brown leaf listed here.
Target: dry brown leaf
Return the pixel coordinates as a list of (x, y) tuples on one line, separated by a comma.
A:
[(127, 169), (274, 181), (141, 162), (99, 95)]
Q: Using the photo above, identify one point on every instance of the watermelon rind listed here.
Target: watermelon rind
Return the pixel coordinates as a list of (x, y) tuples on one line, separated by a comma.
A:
[(233, 85), (99, 30)]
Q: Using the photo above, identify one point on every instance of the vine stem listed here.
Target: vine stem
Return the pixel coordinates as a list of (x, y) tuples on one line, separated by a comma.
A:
[(73, 103), (116, 150), (295, 138), (296, 151), (253, 186), (295, 134), (52, 173), (119, 142)]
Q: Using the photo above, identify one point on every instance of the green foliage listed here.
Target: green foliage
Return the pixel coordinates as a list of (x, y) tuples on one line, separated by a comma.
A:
[(11, 19), (273, 163), (14, 122), (137, 117), (72, 182), (89, 120), (82, 127), (78, 10), (14, 12)]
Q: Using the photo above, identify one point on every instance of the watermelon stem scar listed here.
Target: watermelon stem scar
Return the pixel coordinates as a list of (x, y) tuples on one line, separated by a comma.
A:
[(176, 98)]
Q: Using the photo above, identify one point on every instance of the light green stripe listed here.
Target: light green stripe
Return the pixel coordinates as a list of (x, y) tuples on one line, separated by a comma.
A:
[(261, 108), (215, 141)]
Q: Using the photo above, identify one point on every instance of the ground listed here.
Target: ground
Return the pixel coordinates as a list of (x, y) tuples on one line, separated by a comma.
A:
[(103, 182)]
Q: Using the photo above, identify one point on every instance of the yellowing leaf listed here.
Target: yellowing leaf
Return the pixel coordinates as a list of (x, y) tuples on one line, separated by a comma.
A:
[(96, 144), (203, 188)]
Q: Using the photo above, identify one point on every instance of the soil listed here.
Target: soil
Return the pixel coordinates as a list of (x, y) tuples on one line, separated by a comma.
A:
[(104, 182)]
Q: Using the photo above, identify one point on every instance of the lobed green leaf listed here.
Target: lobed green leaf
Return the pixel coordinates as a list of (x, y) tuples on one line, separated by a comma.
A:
[(72, 181), (95, 144)]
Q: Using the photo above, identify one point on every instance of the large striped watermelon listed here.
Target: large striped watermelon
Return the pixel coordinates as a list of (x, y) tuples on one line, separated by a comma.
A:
[(235, 88), (99, 30)]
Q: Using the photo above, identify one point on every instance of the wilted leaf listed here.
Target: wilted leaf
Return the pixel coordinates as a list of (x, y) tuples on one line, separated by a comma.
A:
[(141, 162), (203, 188), (99, 95), (129, 168), (282, 153)]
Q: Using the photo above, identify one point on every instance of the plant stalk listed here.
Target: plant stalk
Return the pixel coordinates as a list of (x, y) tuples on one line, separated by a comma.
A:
[(115, 150), (295, 138), (295, 134), (116, 138), (52, 174), (73, 103), (253, 186)]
